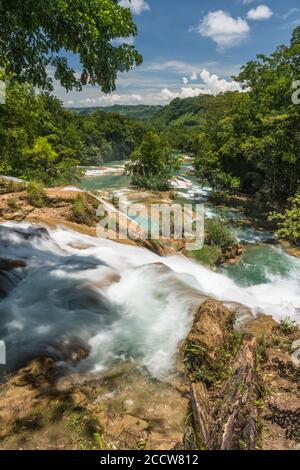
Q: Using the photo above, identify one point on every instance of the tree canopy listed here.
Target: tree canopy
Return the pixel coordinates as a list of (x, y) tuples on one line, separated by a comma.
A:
[(153, 163), (34, 33)]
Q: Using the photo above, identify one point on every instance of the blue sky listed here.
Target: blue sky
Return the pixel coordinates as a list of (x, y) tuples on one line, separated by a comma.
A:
[(192, 47)]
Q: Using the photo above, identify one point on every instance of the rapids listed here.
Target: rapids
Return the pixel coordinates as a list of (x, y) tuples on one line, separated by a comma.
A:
[(124, 302)]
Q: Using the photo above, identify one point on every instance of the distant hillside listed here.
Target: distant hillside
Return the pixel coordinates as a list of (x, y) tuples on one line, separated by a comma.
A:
[(191, 112), (140, 112), (184, 112)]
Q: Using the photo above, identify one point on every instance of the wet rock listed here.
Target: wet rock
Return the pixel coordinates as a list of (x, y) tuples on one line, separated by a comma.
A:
[(12, 271), (295, 357), (209, 329), (260, 326), (10, 264), (231, 255)]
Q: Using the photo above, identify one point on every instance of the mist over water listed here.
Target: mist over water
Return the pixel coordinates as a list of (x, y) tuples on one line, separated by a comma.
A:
[(124, 302)]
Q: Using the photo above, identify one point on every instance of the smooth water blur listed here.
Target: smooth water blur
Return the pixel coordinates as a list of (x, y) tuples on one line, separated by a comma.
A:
[(261, 264), (123, 301), (108, 176)]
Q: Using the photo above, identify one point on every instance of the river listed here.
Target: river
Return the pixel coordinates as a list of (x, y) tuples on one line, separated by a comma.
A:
[(123, 302)]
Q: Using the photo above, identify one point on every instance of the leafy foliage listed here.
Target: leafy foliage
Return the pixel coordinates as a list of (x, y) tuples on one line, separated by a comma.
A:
[(289, 221), (250, 141), (42, 141), (218, 234), (139, 112), (36, 194), (208, 255), (34, 32), (152, 164), (80, 210)]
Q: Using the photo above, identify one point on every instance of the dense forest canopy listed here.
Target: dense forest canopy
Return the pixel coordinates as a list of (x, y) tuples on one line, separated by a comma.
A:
[(140, 112), (41, 140)]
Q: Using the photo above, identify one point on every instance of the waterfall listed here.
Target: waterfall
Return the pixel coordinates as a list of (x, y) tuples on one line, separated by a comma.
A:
[(123, 302)]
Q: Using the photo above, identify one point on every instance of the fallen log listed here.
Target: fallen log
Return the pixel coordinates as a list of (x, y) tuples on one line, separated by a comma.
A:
[(236, 426)]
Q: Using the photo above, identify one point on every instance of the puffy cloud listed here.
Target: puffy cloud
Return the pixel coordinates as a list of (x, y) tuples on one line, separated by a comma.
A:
[(185, 80), (194, 76), (136, 6), (212, 85), (223, 29), (262, 12)]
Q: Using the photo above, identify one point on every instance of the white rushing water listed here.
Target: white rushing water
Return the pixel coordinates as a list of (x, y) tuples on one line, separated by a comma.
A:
[(124, 301)]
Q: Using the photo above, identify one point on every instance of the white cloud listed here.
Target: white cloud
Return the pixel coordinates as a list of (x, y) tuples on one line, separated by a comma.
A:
[(223, 29), (194, 76), (262, 12), (136, 6), (291, 12), (186, 68), (185, 80), (119, 41), (215, 85), (113, 98), (212, 85)]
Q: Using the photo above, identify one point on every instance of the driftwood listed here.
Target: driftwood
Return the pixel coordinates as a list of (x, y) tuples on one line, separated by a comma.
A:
[(201, 413), (237, 414), (232, 422)]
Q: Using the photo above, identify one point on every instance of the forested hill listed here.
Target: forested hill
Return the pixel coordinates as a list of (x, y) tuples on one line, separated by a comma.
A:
[(139, 112), (187, 111)]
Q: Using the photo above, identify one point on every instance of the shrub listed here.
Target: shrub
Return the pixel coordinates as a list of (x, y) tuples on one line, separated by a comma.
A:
[(12, 203), (80, 210), (153, 163), (208, 255), (36, 194), (154, 183), (289, 222), (217, 234)]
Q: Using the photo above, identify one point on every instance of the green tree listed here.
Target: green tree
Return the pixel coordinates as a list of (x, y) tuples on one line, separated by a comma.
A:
[(289, 221), (250, 141), (33, 34), (152, 164)]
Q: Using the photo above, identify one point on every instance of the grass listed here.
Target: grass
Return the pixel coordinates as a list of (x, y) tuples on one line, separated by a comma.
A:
[(287, 327), (80, 210), (12, 203), (36, 194), (218, 238), (218, 234), (212, 372), (33, 422), (208, 255), (7, 186)]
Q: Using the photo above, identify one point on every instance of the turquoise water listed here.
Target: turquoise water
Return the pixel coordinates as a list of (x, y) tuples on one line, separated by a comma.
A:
[(113, 181), (105, 182), (261, 264), (262, 261)]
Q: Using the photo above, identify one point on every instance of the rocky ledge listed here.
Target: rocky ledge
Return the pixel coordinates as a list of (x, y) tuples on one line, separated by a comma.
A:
[(231, 390)]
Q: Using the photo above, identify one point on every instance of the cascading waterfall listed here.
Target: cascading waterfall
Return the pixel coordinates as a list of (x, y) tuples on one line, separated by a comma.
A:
[(123, 302)]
